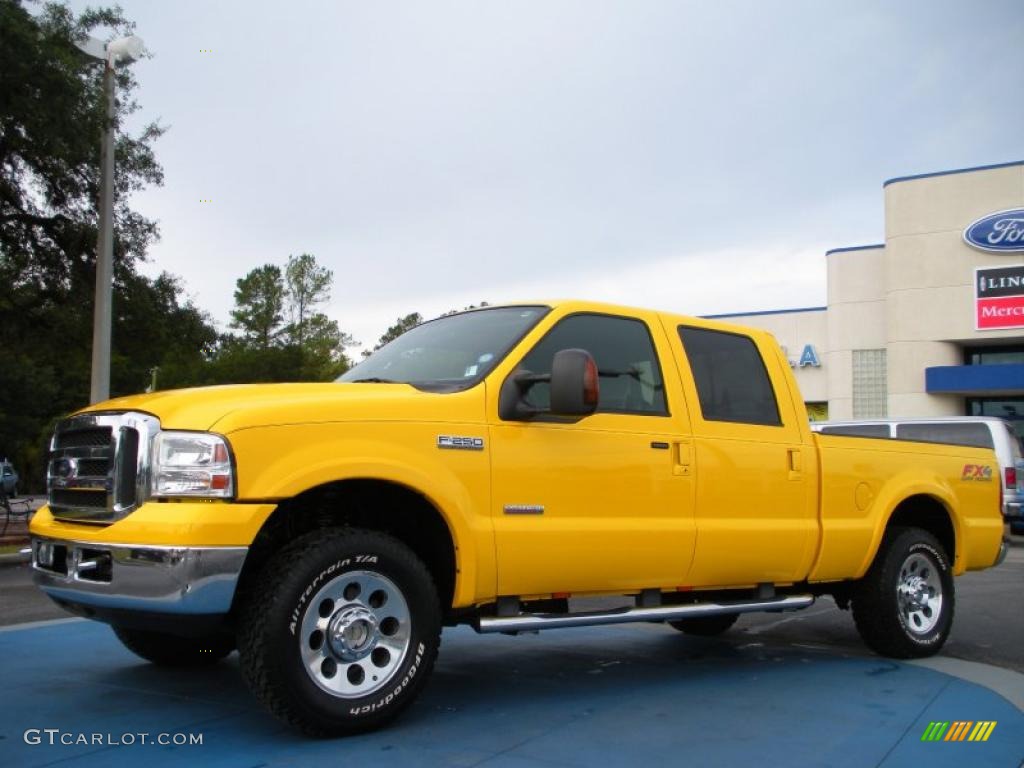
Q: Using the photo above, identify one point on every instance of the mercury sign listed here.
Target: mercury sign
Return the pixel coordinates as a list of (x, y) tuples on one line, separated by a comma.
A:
[(1002, 232), (999, 297)]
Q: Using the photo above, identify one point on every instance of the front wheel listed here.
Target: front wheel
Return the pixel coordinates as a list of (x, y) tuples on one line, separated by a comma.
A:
[(340, 631), (903, 607)]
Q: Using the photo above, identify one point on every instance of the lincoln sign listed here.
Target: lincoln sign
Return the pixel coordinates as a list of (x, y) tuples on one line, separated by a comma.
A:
[(999, 297)]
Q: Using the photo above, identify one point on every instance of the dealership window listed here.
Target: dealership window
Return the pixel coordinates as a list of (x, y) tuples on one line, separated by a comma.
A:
[(1006, 355), (870, 384), (817, 411), (732, 383)]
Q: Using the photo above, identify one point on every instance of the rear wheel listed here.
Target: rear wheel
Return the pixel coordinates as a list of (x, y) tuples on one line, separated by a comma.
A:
[(903, 607), (340, 632), (173, 651), (706, 626)]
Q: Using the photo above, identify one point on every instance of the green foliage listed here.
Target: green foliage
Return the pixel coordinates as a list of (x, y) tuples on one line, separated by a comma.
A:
[(401, 325), (307, 285), (51, 119), (259, 306), (311, 347)]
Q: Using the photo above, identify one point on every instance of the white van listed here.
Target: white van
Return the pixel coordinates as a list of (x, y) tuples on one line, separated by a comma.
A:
[(980, 431)]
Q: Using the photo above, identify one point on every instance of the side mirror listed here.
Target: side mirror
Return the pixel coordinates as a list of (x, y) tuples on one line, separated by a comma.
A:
[(573, 388), (574, 383)]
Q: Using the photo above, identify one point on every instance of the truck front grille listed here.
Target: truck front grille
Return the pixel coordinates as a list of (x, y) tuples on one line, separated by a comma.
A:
[(98, 468)]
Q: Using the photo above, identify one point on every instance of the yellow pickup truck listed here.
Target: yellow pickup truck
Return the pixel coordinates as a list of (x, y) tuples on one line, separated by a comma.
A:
[(486, 468)]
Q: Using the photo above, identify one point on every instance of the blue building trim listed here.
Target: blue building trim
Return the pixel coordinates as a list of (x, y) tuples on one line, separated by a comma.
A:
[(764, 312), (855, 248), (954, 170), (973, 379)]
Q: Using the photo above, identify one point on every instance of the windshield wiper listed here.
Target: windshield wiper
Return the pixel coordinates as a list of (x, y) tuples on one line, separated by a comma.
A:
[(375, 380)]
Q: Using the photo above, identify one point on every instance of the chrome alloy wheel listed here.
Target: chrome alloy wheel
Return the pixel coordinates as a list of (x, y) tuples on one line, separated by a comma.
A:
[(355, 634), (919, 594)]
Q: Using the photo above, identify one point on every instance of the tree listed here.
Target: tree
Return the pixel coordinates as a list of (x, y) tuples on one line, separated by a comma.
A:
[(51, 118), (307, 285), (401, 325), (311, 347), (259, 306)]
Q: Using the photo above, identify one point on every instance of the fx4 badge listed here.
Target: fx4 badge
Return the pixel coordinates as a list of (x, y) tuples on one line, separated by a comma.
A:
[(981, 472), (460, 443)]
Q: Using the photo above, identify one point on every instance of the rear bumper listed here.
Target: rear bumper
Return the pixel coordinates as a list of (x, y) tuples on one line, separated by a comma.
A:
[(98, 579)]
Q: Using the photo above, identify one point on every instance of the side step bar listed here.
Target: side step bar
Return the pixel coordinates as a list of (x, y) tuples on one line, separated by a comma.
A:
[(529, 622)]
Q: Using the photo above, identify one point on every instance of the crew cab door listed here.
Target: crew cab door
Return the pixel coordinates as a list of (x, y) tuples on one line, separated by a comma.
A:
[(756, 503), (603, 502)]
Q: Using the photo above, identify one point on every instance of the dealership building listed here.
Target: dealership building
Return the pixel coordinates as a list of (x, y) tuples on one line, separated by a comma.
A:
[(928, 323)]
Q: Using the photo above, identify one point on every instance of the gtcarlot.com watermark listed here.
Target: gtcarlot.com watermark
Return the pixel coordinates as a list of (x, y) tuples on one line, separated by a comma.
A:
[(56, 737)]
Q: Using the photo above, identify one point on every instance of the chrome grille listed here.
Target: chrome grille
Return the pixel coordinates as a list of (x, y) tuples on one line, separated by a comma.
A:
[(98, 468)]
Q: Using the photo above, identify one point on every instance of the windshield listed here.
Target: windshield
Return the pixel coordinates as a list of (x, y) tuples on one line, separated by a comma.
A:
[(451, 353)]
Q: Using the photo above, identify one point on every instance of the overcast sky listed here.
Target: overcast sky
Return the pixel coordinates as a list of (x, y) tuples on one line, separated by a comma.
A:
[(698, 157)]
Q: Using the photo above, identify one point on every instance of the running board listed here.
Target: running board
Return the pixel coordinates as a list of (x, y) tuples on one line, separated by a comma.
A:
[(530, 622)]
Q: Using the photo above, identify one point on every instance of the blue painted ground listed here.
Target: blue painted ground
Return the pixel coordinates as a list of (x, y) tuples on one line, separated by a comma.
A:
[(632, 695)]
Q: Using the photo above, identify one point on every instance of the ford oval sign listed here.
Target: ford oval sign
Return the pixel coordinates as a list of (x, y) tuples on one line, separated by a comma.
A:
[(1002, 232)]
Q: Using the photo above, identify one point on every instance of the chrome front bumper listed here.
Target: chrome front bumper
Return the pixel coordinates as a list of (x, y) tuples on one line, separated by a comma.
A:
[(175, 580)]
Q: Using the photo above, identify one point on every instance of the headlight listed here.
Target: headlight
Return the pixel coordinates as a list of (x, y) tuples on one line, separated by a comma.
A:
[(192, 464)]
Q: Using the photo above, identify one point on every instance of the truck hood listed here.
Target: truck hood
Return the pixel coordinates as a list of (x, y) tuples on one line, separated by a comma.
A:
[(238, 406)]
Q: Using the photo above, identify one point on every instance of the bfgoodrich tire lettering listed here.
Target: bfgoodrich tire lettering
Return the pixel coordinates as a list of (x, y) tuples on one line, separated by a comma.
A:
[(903, 607), (340, 632)]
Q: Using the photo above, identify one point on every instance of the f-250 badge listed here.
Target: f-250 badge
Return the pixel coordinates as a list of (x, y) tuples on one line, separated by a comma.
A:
[(981, 472), (460, 443)]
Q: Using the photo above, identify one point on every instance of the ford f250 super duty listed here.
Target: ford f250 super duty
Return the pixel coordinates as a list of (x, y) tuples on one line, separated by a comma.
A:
[(483, 468)]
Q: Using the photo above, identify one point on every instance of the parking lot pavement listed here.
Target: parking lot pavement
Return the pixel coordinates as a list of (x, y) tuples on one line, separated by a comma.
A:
[(630, 695)]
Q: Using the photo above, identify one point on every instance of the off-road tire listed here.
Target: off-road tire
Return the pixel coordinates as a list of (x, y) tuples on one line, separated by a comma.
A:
[(293, 611), (887, 625), (174, 651), (706, 626)]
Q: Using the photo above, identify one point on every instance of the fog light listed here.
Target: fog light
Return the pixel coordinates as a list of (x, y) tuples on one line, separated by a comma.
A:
[(44, 554)]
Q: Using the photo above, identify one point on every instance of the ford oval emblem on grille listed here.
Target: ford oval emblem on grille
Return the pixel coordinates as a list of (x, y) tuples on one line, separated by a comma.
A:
[(1002, 232)]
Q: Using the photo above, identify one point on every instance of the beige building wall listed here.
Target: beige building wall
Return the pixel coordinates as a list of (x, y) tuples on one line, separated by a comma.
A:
[(913, 297), (856, 318), (929, 277)]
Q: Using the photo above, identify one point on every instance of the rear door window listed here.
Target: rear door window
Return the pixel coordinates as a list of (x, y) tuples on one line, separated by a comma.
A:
[(732, 382), (963, 433)]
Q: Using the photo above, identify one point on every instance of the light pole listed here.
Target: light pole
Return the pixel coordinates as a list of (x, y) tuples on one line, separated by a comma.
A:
[(127, 49)]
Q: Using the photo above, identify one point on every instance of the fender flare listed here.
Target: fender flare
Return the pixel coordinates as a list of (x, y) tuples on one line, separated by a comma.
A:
[(898, 490)]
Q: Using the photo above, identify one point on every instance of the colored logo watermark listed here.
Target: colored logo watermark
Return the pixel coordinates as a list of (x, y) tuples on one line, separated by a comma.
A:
[(959, 730)]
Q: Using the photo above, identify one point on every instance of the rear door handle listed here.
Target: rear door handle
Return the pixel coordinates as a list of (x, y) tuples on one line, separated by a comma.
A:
[(682, 457), (795, 457)]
